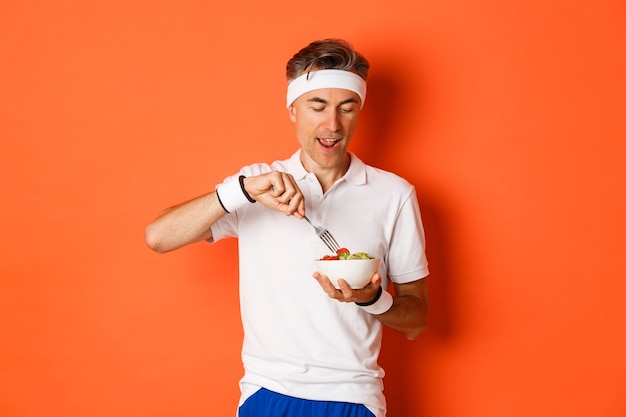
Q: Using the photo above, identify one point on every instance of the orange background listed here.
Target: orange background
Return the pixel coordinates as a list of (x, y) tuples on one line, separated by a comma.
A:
[(509, 118)]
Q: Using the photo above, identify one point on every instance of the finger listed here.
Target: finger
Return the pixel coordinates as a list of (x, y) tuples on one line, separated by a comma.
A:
[(327, 286), (281, 188), (296, 206), (293, 197), (291, 189), (376, 280), (349, 294), (301, 212), (282, 193), (277, 187)]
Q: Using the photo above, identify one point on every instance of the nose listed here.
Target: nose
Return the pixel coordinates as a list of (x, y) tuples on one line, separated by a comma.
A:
[(332, 121)]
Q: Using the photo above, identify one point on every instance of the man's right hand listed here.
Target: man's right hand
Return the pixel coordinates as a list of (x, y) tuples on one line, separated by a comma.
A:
[(278, 191)]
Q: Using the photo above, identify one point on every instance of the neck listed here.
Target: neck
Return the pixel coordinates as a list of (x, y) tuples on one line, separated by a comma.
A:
[(327, 176)]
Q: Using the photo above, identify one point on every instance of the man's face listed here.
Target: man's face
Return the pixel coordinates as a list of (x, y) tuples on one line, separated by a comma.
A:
[(325, 122)]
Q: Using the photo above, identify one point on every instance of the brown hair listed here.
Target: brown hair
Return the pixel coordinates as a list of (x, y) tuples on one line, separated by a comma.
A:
[(327, 54)]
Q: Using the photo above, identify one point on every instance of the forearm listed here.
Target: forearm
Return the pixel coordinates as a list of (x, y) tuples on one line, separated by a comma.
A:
[(408, 315), (183, 224), (191, 221)]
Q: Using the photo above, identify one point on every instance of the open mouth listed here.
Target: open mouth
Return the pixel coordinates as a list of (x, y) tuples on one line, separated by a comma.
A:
[(328, 142)]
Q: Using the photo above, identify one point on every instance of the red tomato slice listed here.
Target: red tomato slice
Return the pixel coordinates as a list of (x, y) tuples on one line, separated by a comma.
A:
[(343, 250)]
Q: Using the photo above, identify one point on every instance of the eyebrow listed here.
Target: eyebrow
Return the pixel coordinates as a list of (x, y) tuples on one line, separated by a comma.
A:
[(322, 101)]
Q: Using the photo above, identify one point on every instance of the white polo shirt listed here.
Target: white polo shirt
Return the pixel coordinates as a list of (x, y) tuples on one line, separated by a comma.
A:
[(297, 340)]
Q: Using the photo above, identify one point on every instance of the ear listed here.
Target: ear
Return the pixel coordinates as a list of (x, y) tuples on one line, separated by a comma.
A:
[(292, 113)]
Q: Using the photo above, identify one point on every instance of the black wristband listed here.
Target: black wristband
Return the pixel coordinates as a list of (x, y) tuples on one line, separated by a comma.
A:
[(376, 298), (250, 199)]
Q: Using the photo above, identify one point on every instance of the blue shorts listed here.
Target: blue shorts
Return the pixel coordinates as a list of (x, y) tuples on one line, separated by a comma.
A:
[(265, 403)]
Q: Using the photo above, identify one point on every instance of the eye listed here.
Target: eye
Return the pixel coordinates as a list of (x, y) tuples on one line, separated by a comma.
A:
[(318, 109), (347, 109)]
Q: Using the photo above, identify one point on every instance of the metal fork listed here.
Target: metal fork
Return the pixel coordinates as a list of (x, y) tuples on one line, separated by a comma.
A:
[(326, 237)]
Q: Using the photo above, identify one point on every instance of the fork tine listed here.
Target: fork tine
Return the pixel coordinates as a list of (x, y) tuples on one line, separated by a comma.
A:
[(335, 244), (325, 236), (330, 241)]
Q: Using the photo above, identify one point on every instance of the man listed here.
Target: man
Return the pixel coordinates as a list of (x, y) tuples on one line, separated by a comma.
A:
[(310, 349)]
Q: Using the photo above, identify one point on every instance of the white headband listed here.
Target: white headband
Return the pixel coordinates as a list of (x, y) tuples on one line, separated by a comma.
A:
[(329, 78)]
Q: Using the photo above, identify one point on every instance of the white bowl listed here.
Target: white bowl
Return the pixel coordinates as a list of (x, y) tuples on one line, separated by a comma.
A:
[(356, 272)]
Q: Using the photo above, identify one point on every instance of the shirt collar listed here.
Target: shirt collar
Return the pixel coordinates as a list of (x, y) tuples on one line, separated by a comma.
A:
[(355, 175)]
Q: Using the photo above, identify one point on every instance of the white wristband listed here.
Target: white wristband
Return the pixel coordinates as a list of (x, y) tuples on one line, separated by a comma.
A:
[(382, 305), (231, 195)]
